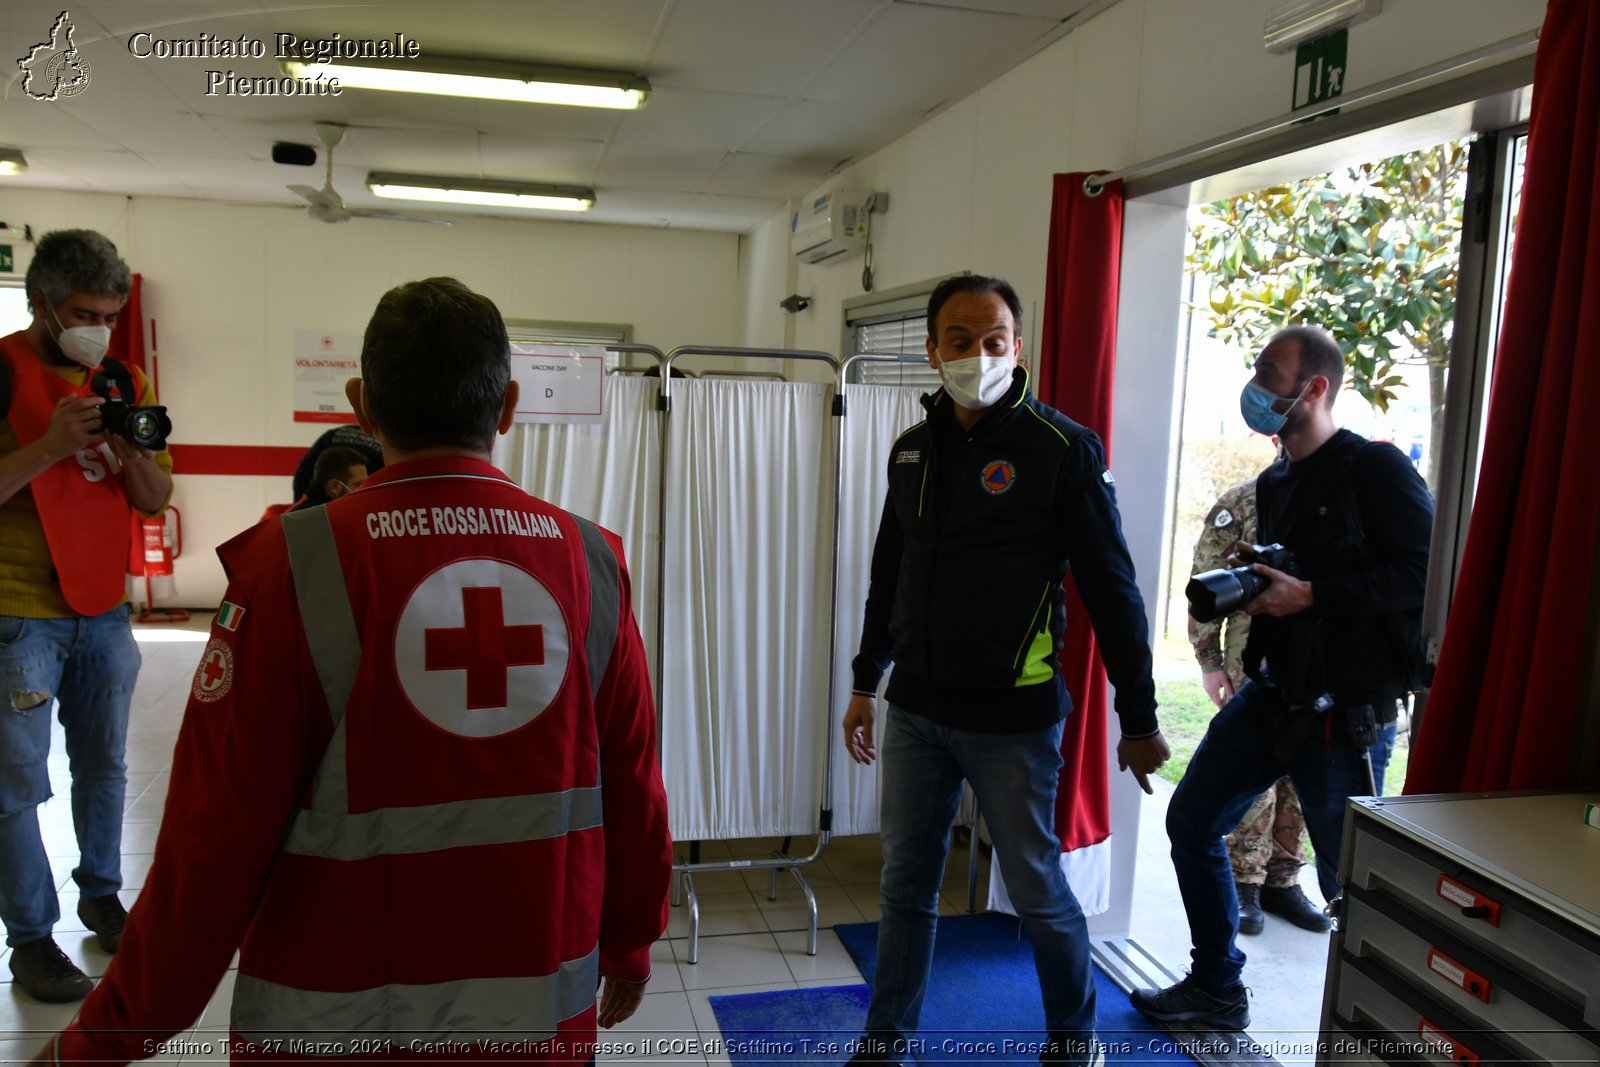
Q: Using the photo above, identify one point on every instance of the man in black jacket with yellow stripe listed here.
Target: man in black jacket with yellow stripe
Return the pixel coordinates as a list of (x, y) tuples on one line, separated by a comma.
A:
[(991, 500)]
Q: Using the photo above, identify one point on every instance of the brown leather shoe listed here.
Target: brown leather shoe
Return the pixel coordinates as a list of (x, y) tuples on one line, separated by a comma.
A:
[(106, 917), (45, 973)]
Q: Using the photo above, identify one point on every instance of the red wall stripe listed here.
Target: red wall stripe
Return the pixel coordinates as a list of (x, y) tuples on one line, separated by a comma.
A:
[(235, 459)]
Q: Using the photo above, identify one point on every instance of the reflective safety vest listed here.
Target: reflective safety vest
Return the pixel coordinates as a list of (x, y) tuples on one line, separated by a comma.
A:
[(461, 647), (83, 508)]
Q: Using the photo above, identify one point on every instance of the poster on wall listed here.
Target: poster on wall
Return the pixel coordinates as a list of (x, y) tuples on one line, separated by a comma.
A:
[(559, 383), (323, 362)]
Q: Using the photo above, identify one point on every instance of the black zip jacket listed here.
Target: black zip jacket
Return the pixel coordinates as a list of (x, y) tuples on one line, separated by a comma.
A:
[(965, 597), (1367, 571)]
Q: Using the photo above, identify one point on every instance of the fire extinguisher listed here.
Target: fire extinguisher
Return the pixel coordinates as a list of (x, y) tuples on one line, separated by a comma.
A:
[(162, 541)]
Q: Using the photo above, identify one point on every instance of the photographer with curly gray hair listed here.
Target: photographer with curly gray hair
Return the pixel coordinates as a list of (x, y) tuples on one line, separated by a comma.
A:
[(67, 482)]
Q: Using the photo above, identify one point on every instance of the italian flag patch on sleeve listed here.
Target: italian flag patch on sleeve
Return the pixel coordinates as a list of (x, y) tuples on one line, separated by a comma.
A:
[(229, 616)]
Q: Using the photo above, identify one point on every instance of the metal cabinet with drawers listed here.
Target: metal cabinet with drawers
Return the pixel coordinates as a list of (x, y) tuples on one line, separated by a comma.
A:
[(1470, 933)]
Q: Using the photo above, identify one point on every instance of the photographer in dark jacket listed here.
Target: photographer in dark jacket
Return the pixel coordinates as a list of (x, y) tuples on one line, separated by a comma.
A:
[(1327, 654), (991, 499)]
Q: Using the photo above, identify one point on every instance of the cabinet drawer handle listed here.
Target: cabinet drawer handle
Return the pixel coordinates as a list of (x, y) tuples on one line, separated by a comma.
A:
[(1473, 905), (1436, 1040), (1457, 975)]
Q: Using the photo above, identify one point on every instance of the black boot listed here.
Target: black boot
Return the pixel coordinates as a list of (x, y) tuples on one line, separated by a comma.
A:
[(1291, 903), (1250, 918)]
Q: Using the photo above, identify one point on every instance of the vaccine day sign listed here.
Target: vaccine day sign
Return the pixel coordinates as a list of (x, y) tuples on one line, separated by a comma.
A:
[(559, 383)]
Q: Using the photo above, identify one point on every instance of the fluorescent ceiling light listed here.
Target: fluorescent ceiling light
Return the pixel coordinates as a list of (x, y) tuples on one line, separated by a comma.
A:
[(520, 195), (486, 80), (11, 161)]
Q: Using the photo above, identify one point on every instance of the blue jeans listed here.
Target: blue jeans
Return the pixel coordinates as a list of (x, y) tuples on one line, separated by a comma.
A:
[(1014, 777), (88, 665), (1232, 766)]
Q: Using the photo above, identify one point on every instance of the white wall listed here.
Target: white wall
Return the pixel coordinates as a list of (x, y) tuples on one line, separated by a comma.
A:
[(227, 287)]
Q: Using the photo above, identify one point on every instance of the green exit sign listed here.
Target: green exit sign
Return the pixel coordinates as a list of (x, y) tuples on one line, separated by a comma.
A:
[(7, 264), (1319, 68)]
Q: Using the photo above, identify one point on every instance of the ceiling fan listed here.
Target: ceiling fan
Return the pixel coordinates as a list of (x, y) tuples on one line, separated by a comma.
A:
[(325, 205)]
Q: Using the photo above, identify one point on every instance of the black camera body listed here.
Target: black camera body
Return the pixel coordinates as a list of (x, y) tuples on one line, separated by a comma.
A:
[(146, 426), (1214, 594)]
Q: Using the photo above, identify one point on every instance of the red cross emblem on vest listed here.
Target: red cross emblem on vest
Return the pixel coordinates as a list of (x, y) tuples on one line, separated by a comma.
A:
[(485, 647), (481, 647)]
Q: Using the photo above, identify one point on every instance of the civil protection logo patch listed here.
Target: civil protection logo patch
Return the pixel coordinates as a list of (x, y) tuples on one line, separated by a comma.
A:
[(998, 476)]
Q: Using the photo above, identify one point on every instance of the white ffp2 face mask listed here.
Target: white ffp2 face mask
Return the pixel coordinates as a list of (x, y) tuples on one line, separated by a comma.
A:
[(976, 382), (83, 344)]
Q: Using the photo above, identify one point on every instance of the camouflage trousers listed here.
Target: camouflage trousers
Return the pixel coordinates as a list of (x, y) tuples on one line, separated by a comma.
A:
[(1265, 847)]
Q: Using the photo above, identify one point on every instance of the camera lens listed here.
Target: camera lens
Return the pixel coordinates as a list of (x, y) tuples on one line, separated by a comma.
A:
[(147, 428)]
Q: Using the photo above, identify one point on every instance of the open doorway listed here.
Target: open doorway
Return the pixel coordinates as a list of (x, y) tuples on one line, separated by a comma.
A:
[(1401, 257), (1369, 252)]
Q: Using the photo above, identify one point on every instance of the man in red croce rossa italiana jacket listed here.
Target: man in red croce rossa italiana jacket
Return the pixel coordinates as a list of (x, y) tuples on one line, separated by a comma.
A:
[(416, 786)]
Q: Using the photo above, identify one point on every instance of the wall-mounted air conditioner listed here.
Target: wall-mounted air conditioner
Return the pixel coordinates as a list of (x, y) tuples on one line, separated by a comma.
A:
[(834, 224)]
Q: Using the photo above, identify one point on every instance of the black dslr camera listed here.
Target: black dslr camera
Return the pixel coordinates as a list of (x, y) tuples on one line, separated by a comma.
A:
[(1214, 594), (146, 427)]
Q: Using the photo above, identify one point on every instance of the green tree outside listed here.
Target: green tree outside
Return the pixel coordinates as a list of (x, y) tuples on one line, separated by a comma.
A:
[(1369, 254)]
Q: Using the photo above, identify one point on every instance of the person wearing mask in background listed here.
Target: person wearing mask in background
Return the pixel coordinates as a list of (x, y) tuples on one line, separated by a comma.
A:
[(424, 714), (991, 500), (1265, 849), (1327, 657), (66, 487), (339, 471), (305, 472)]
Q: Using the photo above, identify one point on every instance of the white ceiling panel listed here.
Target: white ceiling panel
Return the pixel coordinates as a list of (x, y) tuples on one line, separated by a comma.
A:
[(779, 177), (522, 159), (230, 179), (692, 118), (158, 133), (768, 47), (832, 131), (180, 21), (615, 34), (30, 124), (1057, 10), (41, 175), (919, 57), (110, 172), (657, 168)]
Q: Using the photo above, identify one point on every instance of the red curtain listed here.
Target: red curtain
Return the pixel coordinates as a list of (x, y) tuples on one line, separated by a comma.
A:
[(1077, 355), (127, 334), (1504, 710)]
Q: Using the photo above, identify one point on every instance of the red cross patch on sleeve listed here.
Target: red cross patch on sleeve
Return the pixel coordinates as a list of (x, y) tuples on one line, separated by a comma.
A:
[(214, 677)]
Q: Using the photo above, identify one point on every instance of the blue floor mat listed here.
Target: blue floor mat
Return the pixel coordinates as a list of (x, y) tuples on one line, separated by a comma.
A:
[(982, 1006)]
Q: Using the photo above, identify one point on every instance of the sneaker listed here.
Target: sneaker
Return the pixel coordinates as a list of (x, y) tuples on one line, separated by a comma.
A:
[(1073, 1053), (1192, 1002), (1290, 902), (46, 974), (1251, 921), (105, 917)]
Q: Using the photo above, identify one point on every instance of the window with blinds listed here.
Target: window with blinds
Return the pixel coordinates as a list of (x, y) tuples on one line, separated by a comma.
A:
[(901, 331), (542, 333)]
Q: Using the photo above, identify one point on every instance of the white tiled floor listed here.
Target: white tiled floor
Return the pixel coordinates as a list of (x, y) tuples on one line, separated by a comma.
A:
[(747, 943)]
